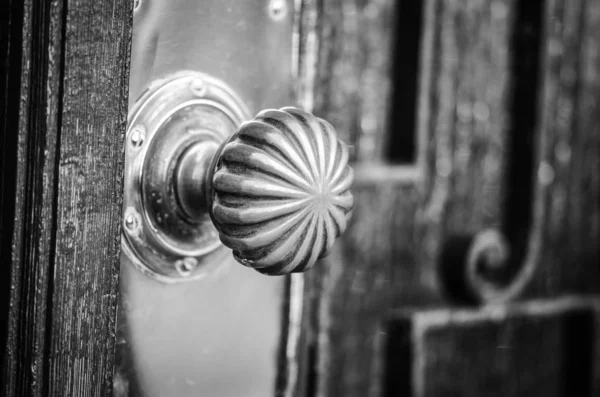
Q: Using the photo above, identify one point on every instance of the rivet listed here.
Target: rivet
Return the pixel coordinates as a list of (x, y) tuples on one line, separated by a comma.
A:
[(277, 9), (136, 4), (137, 136), (186, 265), (131, 220), (198, 87)]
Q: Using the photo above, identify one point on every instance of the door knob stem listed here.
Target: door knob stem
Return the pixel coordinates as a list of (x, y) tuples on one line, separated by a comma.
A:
[(191, 174)]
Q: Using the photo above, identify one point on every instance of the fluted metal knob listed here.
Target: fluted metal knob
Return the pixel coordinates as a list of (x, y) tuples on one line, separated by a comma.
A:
[(279, 191), (198, 175)]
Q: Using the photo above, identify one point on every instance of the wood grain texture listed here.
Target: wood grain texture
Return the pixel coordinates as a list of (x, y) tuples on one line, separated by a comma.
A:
[(353, 80), (469, 110), (567, 195), (89, 197), (388, 257), (506, 124), (350, 82), (65, 242), (11, 27), (33, 237), (534, 348)]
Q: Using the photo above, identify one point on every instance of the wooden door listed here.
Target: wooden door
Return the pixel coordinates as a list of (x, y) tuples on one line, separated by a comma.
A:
[(471, 264), (470, 267)]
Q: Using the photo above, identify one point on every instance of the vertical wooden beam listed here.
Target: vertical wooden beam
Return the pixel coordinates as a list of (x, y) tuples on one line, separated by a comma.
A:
[(568, 155), (89, 192), (390, 254), (353, 77), (69, 164), (33, 236), (11, 27)]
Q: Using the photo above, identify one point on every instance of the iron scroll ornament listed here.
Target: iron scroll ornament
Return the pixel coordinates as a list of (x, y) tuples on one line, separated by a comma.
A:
[(275, 189)]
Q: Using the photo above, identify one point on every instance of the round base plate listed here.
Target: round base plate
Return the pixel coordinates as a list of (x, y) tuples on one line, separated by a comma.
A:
[(179, 113)]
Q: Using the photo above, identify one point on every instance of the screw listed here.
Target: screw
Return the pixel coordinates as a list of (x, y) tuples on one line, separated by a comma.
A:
[(131, 220), (138, 134), (198, 87), (186, 265), (277, 9)]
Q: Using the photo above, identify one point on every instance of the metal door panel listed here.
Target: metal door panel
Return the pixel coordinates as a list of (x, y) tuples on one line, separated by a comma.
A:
[(218, 336)]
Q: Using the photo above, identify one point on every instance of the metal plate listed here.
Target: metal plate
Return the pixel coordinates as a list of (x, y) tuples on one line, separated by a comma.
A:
[(174, 114), (220, 335)]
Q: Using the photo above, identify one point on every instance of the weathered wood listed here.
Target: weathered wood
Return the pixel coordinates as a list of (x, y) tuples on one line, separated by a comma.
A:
[(469, 110), (353, 80), (26, 355), (11, 27), (65, 241), (567, 181), (351, 43), (536, 348), (389, 256), (368, 273), (476, 108)]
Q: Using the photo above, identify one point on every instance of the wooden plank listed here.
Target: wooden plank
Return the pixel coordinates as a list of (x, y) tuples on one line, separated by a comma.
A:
[(349, 86), (472, 118), (469, 111), (90, 173), (389, 255), (33, 235), (472, 109), (536, 348), (568, 159), (64, 263), (11, 27), (353, 79)]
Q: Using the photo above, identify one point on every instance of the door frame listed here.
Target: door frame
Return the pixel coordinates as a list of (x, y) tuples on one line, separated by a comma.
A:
[(63, 112)]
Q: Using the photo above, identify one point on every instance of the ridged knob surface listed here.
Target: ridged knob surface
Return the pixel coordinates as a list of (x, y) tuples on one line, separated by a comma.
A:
[(280, 192)]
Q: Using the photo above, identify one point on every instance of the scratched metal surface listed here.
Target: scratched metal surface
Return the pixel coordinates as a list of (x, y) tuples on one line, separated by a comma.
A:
[(218, 336)]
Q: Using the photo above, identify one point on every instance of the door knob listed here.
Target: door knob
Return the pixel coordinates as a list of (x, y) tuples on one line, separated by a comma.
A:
[(274, 189)]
